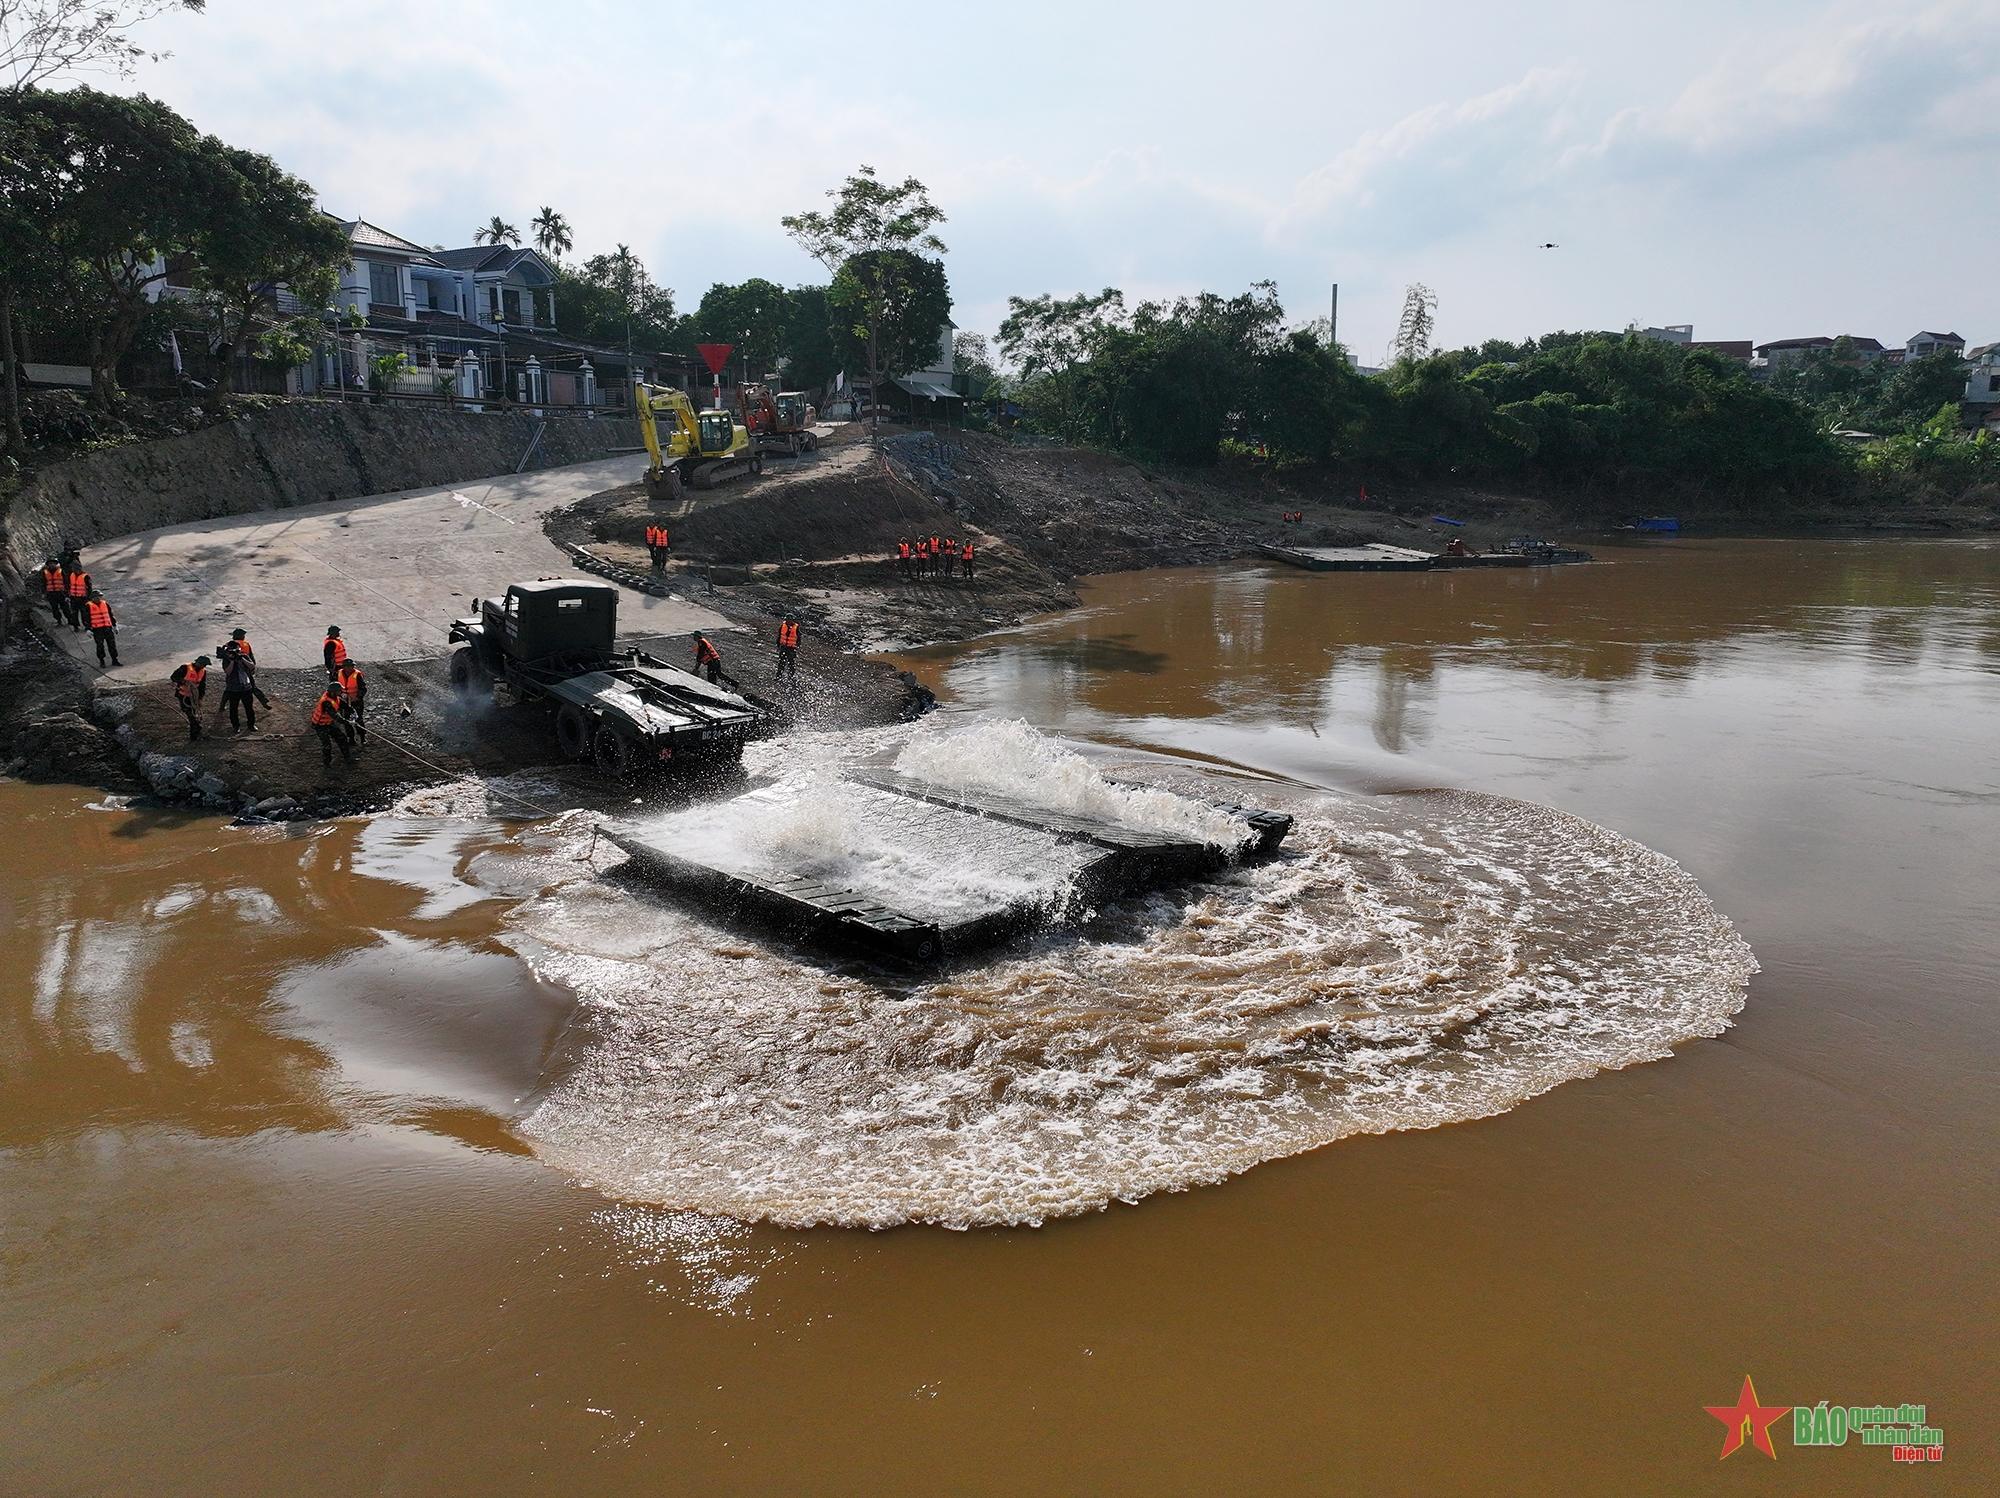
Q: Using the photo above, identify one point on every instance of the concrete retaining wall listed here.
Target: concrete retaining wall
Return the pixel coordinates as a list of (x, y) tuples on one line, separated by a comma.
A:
[(300, 454)]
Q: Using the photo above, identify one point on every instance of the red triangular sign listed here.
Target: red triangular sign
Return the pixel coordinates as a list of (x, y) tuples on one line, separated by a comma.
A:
[(714, 355)]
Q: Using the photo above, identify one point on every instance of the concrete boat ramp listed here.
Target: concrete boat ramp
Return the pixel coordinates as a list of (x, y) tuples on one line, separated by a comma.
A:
[(393, 570), (1015, 865)]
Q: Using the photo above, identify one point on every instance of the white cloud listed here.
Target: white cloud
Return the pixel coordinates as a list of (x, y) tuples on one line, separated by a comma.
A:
[(1637, 141)]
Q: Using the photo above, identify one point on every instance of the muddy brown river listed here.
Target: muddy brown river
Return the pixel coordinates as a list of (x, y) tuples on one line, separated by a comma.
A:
[(1623, 1020)]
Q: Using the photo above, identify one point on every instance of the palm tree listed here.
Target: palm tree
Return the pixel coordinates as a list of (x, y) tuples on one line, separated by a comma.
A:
[(551, 233), (497, 231)]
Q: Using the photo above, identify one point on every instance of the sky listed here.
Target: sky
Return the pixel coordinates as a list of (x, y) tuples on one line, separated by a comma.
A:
[(1762, 171)]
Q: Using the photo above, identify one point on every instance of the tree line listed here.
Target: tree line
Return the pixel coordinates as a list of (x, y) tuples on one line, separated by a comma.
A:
[(1606, 412)]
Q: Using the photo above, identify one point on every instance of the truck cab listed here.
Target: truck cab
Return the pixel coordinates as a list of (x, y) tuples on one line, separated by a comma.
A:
[(543, 623)]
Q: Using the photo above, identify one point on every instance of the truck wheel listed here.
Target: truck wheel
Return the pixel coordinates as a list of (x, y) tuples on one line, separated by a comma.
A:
[(616, 755), (572, 731), (467, 675)]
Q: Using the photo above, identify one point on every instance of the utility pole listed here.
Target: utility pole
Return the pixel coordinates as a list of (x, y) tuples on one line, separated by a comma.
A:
[(1333, 319)]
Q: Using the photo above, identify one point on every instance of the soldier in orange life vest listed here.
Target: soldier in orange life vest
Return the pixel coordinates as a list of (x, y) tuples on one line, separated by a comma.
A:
[(190, 686), (55, 589), (788, 648), (903, 558), (334, 651), (79, 594), (965, 560), (238, 646), (707, 659), (103, 626), (933, 552), (354, 687), (328, 723)]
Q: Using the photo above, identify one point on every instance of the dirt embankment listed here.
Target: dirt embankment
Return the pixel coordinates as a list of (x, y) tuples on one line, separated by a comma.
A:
[(819, 534)]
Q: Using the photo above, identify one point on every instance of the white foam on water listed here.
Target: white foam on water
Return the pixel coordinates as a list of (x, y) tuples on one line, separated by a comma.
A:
[(1411, 961), (1010, 758), (915, 857)]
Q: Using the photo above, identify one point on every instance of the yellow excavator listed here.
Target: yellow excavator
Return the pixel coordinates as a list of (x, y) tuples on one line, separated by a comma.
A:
[(690, 449)]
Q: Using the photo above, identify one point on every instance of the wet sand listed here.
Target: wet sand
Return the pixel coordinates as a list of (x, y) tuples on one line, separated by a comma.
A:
[(269, 1222)]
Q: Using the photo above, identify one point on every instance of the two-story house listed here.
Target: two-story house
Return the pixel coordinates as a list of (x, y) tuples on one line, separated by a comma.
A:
[(1782, 353), (450, 313), (483, 319), (1923, 345), (1982, 375)]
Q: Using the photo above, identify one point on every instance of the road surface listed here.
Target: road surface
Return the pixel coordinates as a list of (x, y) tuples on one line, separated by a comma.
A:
[(392, 570)]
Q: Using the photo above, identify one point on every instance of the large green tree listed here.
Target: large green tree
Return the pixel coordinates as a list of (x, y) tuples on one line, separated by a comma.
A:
[(131, 187), (613, 299), (264, 234), (876, 239), (753, 315), (1050, 340), (812, 353), (891, 311)]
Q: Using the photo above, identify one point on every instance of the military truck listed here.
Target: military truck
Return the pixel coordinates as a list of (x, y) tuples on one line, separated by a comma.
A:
[(554, 642)]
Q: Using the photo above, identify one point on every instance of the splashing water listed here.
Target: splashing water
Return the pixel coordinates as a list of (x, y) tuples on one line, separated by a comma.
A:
[(1013, 759), (1409, 962)]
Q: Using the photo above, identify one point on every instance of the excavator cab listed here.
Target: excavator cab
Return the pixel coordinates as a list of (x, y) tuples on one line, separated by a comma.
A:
[(718, 433)]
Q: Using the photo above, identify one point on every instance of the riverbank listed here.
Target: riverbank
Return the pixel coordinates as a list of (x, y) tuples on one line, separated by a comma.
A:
[(814, 537)]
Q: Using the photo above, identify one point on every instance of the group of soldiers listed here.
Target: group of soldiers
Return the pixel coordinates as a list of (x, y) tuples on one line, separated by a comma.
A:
[(75, 601), (708, 659), (659, 546), (934, 556), (339, 716)]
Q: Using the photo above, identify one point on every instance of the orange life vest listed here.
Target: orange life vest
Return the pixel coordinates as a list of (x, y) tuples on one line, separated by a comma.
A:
[(967, 553), (352, 682), (243, 648), (704, 652), (325, 710), (100, 615), (788, 636), (192, 676), (52, 580), (339, 649), (903, 550), (79, 584)]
